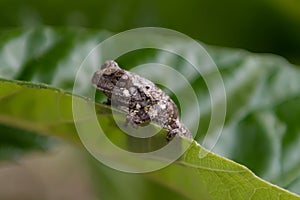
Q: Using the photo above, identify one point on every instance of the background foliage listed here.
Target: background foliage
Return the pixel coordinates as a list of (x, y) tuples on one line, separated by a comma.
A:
[(262, 129), (260, 25)]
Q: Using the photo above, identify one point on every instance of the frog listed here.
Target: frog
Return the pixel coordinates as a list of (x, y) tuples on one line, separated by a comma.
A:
[(139, 98)]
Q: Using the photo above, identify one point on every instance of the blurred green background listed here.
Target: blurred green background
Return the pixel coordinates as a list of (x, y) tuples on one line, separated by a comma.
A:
[(258, 25)]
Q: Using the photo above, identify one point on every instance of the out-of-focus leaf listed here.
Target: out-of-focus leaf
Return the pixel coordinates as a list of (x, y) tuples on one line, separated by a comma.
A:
[(262, 130), (260, 26), (15, 142)]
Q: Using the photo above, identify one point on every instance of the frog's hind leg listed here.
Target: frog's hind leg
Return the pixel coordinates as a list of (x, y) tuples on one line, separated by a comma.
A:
[(129, 120)]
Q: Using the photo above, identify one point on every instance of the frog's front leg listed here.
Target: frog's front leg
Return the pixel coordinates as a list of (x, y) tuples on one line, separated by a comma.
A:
[(181, 130), (172, 133), (136, 117)]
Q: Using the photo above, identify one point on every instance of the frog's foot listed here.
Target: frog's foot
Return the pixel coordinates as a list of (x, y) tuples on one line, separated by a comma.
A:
[(129, 120), (181, 131), (171, 134)]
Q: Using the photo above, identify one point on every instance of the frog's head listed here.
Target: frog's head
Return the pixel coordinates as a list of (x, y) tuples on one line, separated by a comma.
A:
[(109, 77)]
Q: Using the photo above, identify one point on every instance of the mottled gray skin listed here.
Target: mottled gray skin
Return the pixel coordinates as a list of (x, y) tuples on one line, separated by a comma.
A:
[(141, 99)]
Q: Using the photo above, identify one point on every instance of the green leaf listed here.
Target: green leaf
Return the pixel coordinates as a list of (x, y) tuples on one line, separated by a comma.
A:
[(52, 115), (261, 129)]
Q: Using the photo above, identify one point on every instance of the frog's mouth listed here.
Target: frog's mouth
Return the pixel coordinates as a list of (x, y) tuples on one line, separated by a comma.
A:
[(96, 79), (107, 91), (98, 84)]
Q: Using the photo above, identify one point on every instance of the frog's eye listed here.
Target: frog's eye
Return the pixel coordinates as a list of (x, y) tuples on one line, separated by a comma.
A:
[(118, 78), (147, 87)]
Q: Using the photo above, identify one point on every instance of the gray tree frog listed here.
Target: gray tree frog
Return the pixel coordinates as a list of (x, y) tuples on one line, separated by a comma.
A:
[(141, 99)]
